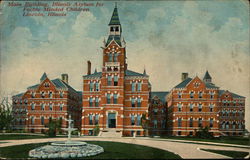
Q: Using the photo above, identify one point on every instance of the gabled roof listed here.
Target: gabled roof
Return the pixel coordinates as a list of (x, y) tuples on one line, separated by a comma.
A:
[(116, 38), (44, 76), (207, 76), (96, 74), (132, 73), (161, 95), (57, 82), (115, 18), (234, 95), (183, 83)]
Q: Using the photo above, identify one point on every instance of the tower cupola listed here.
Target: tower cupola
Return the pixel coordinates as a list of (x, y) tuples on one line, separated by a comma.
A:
[(114, 24)]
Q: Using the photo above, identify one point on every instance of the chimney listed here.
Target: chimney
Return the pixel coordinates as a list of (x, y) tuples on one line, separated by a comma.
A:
[(89, 68), (184, 76), (65, 78)]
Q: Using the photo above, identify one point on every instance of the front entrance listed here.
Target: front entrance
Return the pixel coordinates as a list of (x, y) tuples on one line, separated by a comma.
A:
[(112, 120)]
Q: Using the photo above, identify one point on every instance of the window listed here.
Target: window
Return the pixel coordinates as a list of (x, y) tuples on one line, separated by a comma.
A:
[(61, 107), (32, 106), (139, 102), (111, 29), (179, 107), (155, 123), (138, 133), (200, 122), (223, 125), (109, 80), (108, 98), (90, 101), (191, 122), (91, 86), (211, 122), (133, 86), (200, 94), (110, 57), (179, 133), (138, 120), (115, 68), (115, 98), (132, 120), (200, 107), (234, 125), (191, 94), (50, 94), (32, 120), (91, 132), (109, 69), (191, 133), (155, 111), (50, 107), (117, 29), (139, 86), (43, 107), (179, 94), (163, 123), (227, 125), (211, 95), (33, 95), (191, 107), (97, 86), (115, 80), (61, 94), (240, 126), (42, 120), (133, 102), (211, 108), (43, 94), (115, 57), (97, 102), (90, 119), (96, 119), (179, 122)]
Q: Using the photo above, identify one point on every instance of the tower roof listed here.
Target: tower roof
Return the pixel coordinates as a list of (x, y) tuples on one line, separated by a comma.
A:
[(207, 76), (44, 76), (115, 18)]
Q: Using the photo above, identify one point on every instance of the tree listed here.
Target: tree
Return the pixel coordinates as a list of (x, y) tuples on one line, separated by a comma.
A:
[(96, 130), (144, 123), (6, 117), (54, 127), (204, 133)]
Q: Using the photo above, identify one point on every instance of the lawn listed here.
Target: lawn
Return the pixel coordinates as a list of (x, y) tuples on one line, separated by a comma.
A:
[(112, 150), (232, 154), (23, 136), (228, 140)]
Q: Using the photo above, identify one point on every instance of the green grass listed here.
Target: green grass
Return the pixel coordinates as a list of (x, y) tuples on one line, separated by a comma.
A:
[(232, 154), (23, 136), (112, 150), (228, 140)]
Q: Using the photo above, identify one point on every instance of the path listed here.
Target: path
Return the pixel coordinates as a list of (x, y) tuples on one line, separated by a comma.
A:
[(185, 150)]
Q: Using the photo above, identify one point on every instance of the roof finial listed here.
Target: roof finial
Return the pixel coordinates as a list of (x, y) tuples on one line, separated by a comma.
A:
[(144, 72), (115, 4), (95, 70)]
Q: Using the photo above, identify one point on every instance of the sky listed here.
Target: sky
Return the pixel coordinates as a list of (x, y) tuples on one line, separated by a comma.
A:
[(165, 37)]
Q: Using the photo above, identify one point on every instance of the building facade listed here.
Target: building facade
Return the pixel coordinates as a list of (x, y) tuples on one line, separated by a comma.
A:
[(158, 114), (196, 103), (116, 97), (50, 99)]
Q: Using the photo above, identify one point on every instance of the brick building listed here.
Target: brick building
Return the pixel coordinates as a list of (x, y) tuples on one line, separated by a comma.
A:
[(158, 114), (116, 97), (196, 103), (53, 99)]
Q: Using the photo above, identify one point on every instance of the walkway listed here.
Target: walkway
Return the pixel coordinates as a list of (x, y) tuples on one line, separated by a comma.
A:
[(185, 150)]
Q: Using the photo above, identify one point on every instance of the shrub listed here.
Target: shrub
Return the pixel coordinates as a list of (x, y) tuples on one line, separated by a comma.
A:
[(96, 130), (204, 133)]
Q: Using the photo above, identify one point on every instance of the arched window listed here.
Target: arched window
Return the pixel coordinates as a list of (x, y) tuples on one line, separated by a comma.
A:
[(191, 122), (96, 119), (42, 120), (132, 120), (115, 57), (97, 102), (139, 86), (97, 86), (211, 107), (139, 102), (110, 57), (179, 122), (43, 107), (91, 86), (115, 98), (133, 102), (90, 101), (108, 98), (90, 119), (33, 106), (200, 107), (191, 107), (61, 107), (191, 94), (179, 107), (50, 94), (115, 80), (109, 80), (50, 107), (133, 86)]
